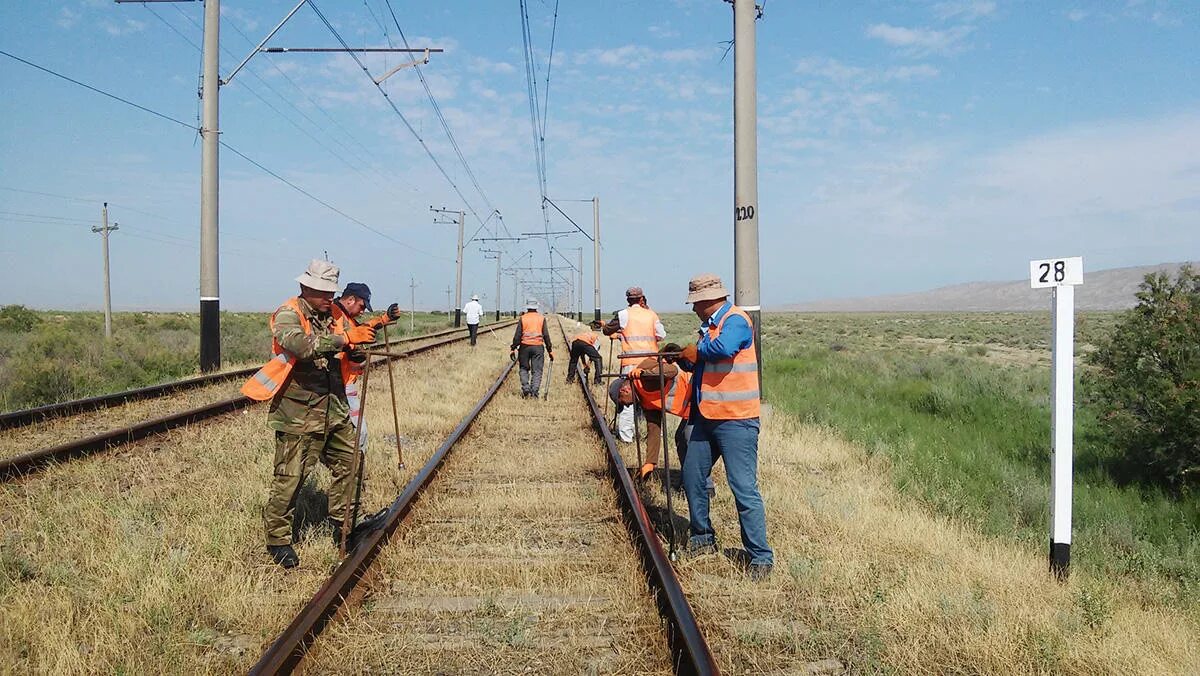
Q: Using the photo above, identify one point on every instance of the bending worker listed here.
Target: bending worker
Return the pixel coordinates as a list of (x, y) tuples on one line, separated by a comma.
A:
[(308, 412), (473, 311), (347, 309), (532, 338), (585, 348), (725, 421), (639, 329)]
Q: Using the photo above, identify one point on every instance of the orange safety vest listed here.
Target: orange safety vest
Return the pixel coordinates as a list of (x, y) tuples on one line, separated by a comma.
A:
[(638, 334), (589, 337), (271, 378), (350, 371), (679, 393), (729, 388), (532, 326)]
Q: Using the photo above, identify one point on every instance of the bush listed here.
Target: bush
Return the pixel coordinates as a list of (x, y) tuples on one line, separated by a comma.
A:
[(1148, 383), (18, 319)]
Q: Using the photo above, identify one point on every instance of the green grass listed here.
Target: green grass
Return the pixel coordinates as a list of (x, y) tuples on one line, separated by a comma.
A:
[(48, 357), (970, 437)]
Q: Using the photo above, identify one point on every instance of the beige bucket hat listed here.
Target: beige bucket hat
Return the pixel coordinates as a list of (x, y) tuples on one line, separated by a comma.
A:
[(320, 275), (705, 287)]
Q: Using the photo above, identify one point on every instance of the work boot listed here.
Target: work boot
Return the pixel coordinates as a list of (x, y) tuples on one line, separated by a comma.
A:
[(283, 555), (695, 549), (759, 572)]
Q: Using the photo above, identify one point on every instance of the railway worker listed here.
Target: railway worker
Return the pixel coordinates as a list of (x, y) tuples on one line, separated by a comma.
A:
[(531, 342), (308, 413), (639, 330), (725, 421), (473, 311), (585, 353), (347, 309), (644, 385)]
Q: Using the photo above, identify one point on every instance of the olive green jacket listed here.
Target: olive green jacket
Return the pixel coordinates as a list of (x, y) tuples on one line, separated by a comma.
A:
[(314, 397)]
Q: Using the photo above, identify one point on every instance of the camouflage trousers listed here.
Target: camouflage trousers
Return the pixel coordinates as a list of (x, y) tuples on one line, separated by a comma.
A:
[(295, 457)]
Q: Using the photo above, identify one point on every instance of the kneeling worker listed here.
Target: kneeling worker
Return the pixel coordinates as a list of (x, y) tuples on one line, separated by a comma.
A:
[(584, 348), (532, 338), (308, 412)]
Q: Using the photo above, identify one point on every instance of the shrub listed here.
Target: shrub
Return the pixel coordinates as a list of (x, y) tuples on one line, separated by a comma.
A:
[(18, 319), (1148, 383)]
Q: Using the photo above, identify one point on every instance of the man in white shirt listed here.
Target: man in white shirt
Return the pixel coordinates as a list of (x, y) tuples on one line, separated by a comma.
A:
[(473, 311)]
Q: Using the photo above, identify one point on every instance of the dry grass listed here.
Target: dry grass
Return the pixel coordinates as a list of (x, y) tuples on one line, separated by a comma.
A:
[(514, 562), (151, 560), (875, 581)]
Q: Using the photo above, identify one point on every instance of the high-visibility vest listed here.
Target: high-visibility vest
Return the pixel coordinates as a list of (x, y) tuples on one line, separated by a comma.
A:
[(349, 370), (679, 392), (589, 337), (638, 334), (271, 378), (532, 326), (729, 388)]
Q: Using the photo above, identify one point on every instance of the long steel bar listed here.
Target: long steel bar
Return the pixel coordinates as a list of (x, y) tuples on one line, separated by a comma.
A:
[(286, 651), (30, 416), (34, 461), (395, 413)]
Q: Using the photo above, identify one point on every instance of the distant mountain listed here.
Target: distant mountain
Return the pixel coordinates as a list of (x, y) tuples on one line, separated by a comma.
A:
[(1102, 290)]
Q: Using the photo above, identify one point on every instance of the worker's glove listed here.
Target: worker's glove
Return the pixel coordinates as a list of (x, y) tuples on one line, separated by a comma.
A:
[(671, 347), (361, 335), (393, 311), (512, 355), (689, 353), (378, 322), (357, 357)]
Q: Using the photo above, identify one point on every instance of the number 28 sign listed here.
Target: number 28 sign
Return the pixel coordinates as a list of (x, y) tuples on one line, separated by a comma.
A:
[(1056, 272)]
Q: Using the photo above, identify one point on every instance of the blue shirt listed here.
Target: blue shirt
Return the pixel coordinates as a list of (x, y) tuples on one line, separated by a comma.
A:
[(735, 336)]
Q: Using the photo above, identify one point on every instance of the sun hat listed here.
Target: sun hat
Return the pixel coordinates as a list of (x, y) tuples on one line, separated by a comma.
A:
[(359, 290), (634, 292), (474, 296), (705, 287), (320, 275), (531, 305)]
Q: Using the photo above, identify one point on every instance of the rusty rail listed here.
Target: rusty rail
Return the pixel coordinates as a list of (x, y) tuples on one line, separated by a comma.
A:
[(286, 652), (34, 461), (29, 416)]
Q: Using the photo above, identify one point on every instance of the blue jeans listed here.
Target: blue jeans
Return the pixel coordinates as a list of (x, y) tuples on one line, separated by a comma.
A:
[(737, 442)]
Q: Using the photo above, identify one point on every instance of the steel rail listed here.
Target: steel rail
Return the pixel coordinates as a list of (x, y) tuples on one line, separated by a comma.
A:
[(690, 653), (34, 461), (285, 652), (29, 416)]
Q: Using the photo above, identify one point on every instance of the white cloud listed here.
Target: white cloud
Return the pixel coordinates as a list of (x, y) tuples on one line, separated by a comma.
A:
[(965, 10), (126, 27), (921, 40), (67, 17), (491, 67), (1077, 15), (664, 32), (637, 56)]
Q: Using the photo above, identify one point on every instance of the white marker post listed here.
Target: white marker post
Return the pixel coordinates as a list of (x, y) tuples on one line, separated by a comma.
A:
[(1062, 275)]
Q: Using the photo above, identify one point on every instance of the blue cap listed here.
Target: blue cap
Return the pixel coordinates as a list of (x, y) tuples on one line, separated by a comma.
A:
[(359, 290)]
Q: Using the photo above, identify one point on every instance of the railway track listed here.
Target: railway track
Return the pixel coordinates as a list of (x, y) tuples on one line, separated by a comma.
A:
[(507, 556), (38, 458), (30, 416)]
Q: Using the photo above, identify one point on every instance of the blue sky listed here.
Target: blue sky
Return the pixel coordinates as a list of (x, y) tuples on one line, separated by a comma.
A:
[(902, 145)]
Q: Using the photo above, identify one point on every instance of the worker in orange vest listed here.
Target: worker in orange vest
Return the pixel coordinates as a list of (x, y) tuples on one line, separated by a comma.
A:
[(308, 413), (725, 421), (585, 352), (531, 343), (347, 309), (639, 330)]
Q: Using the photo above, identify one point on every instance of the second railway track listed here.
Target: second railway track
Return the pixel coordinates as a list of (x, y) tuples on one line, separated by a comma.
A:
[(76, 429)]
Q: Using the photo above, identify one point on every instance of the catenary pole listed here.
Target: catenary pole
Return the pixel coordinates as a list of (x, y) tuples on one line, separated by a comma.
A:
[(745, 169), (498, 254), (596, 255), (104, 230), (579, 250), (412, 316), (210, 291), (458, 302)]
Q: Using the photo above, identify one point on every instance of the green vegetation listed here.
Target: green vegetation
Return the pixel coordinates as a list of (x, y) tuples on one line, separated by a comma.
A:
[(1148, 384), (957, 406), (47, 357)]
